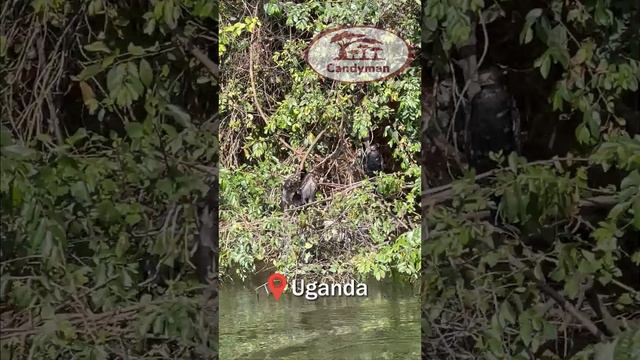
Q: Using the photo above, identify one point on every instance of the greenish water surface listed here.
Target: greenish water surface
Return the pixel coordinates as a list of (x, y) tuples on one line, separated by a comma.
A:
[(383, 325)]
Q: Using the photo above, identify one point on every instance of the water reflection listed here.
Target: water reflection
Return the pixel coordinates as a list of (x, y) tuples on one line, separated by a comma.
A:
[(384, 325)]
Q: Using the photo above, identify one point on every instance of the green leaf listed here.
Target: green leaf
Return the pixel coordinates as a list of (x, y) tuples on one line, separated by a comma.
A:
[(107, 61), (150, 26), (169, 14), (107, 212), (511, 204), (158, 325), (146, 73), (628, 345), (604, 351), (512, 160), (79, 192), (145, 323), (491, 258), (582, 134), (526, 331), (632, 181), (89, 72), (95, 7), (6, 138), (549, 331), (526, 35), (3, 46), (165, 186), (18, 151), (545, 66), (98, 46), (635, 208), (38, 235), (594, 122), (572, 286), (135, 130), (506, 313), (583, 54), (114, 78), (537, 272), (133, 219), (602, 14), (135, 50), (181, 116), (135, 88), (98, 353), (132, 71), (533, 14)]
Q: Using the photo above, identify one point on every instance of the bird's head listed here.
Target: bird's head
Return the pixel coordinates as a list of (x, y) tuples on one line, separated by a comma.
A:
[(490, 76)]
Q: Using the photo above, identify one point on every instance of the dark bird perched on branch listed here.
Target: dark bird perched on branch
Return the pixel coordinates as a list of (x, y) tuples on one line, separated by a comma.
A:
[(308, 189), (291, 192), (494, 124), (298, 190), (206, 255), (373, 162)]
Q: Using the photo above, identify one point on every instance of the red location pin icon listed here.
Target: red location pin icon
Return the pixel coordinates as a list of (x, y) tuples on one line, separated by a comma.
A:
[(277, 289)]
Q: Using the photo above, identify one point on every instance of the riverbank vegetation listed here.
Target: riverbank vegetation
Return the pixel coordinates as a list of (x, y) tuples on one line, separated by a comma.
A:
[(539, 257), (107, 147), (279, 117)]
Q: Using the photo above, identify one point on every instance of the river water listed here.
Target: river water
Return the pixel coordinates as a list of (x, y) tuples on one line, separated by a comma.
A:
[(383, 325)]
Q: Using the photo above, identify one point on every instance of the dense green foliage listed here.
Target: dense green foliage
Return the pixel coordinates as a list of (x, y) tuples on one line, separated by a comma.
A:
[(540, 259), (107, 144), (276, 109)]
